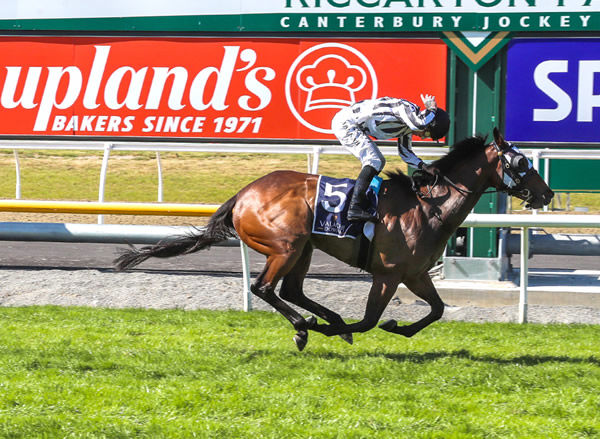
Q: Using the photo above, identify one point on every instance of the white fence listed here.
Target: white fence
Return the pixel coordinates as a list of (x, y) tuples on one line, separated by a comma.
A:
[(525, 222), (313, 153)]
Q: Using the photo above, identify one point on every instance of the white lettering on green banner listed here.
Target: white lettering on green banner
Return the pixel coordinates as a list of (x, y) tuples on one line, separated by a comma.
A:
[(305, 15)]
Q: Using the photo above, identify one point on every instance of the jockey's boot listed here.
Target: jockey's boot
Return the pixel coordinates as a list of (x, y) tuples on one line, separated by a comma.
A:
[(359, 202)]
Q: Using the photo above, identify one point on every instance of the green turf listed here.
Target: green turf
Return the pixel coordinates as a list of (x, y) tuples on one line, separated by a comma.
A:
[(93, 373), (189, 177)]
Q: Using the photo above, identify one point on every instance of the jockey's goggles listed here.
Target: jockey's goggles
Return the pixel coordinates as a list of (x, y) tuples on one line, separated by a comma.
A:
[(516, 165)]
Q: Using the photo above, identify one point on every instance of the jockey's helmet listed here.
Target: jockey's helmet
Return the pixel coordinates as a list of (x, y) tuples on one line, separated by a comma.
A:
[(440, 124)]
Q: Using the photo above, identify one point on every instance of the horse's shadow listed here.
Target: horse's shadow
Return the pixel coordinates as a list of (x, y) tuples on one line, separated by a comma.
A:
[(426, 357)]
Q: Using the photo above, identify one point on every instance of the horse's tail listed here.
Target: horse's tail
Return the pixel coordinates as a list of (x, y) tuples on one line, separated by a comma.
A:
[(219, 228)]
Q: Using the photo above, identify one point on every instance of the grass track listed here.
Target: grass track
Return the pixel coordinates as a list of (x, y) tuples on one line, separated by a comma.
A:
[(83, 372)]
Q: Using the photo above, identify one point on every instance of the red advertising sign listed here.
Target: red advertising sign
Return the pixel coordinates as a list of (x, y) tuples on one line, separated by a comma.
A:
[(198, 87)]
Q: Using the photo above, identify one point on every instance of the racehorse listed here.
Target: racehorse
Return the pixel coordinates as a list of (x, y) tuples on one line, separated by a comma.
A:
[(274, 214)]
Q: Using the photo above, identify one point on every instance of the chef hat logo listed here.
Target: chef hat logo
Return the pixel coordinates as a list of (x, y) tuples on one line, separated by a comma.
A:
[(330, 82), (325, 78)]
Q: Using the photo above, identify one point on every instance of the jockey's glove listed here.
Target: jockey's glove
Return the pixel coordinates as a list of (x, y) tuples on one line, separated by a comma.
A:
[(429, 169), (429, 102)]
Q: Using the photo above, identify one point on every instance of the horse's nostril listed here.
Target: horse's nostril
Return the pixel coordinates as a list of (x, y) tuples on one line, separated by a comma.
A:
[(548, 197)]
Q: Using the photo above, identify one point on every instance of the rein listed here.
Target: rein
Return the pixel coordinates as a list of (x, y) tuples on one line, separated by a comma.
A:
[(431, 186), (459, 189)]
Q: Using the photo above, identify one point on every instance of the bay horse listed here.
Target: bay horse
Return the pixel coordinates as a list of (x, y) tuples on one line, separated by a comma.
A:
[(274, 214)]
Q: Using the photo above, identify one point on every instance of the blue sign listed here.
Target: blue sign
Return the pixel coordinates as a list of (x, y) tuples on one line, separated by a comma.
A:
[(553, 90)]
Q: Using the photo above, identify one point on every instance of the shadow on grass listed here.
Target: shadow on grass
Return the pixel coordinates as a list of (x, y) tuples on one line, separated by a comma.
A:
[(426, 357)]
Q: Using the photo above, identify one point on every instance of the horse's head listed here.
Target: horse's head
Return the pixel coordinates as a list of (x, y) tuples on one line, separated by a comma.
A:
[(516, 175)]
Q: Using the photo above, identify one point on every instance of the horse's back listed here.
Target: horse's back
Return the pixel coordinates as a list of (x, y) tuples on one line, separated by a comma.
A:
[(280, 187)]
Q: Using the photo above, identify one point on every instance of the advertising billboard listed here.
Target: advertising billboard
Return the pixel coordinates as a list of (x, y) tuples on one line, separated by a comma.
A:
[(553, 90), (205, 87)]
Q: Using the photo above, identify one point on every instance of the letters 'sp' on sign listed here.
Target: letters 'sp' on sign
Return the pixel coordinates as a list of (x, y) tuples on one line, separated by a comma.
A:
[(553, 90)]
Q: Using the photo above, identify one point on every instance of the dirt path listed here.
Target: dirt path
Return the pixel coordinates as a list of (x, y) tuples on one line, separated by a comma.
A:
[(163, 290)]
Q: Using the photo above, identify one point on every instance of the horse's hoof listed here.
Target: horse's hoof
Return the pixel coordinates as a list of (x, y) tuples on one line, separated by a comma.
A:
[(311, 322), (389, 325), (347, 338), (405, 331), (301, 338)]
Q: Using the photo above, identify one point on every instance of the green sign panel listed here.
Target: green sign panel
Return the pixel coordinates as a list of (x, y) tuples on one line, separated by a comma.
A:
[(574, 175), (304, 15)]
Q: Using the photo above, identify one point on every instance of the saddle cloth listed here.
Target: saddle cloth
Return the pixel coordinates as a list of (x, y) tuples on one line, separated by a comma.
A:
[(331, 208)]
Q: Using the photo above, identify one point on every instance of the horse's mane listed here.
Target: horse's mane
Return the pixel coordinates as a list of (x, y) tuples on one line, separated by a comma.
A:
[(461, 150)]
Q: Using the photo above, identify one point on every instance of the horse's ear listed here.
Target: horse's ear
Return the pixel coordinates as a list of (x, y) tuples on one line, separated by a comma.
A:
[(498, 138)]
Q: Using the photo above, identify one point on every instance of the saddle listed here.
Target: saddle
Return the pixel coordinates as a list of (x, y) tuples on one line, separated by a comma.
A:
[(330, 216), (331, 207)]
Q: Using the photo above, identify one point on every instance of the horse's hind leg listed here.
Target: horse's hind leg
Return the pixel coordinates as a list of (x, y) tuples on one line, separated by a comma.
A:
[(292, 291), (424, 288), (264, 287)]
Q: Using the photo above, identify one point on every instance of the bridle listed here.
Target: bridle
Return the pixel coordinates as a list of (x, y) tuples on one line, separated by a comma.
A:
[(516, 170)]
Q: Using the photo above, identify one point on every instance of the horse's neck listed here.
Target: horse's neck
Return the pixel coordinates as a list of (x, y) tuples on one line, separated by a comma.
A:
[(456, 208)]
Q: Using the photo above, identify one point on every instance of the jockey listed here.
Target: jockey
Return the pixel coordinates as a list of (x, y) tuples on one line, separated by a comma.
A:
[(385, 118)]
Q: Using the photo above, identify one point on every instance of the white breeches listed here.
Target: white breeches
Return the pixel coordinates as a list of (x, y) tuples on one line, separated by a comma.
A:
[(355, 140)]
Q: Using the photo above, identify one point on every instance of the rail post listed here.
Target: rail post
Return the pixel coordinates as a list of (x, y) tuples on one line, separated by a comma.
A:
[(546, 174), (246, 277), (523, 275), (536, 165), (159, 197), (18, 176), (103, 171), (315, 164)]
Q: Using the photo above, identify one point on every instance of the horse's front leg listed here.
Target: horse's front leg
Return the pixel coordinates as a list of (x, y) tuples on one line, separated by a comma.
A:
[(424, 288), (382, 290)]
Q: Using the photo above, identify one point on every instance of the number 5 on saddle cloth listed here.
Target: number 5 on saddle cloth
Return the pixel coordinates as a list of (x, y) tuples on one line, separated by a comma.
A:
[(331, 215)]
